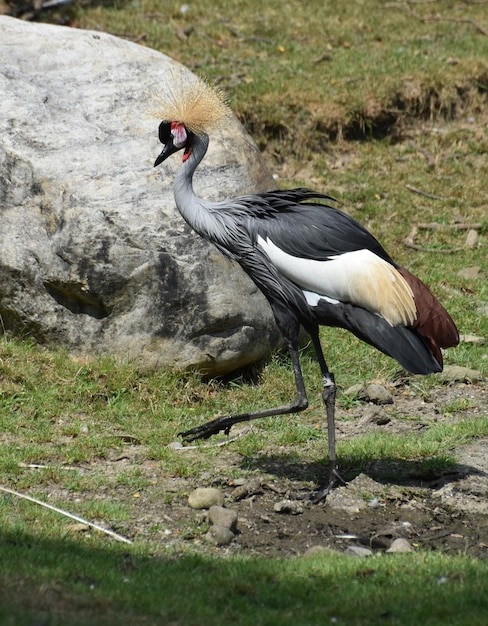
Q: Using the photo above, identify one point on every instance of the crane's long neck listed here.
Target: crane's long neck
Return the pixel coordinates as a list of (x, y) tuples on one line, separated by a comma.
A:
[(193, 209)]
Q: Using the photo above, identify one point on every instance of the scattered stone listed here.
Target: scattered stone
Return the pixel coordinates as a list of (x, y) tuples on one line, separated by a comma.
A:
[(249, 488), (469, 273), (318, 551), (375, 393), (354, 390), (220, 516), (359, 551), (175, 445), (205, 497), (400, 545), (374, 415), (219, 535), (356, 495), (471, 238), (366, 485), (460, 374), (237, 482), (290, 507), (344, 500), (479, 341)]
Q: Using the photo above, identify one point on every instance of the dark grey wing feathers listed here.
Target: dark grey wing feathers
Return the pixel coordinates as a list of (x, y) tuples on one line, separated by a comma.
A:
[(301, 226)]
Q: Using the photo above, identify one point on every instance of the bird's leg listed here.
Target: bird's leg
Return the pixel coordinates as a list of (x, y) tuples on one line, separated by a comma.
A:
[(225, 423), (328, 396)]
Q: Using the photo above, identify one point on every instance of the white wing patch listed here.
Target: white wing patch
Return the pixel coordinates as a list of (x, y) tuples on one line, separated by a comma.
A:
[(359, 277), (313, 298)]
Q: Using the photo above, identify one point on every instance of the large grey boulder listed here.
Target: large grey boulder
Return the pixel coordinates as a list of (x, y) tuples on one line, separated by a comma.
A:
[(93, 253)]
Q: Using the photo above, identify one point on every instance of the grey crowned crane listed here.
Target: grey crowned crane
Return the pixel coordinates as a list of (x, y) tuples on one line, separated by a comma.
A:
[(315, 264)]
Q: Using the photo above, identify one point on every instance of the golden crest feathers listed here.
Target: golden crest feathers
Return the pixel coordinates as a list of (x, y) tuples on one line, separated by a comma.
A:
[(190, 100)]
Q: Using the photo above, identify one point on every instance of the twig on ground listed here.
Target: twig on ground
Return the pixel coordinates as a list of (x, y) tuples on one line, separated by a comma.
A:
[(419, 248), (459, 20), (428, 156), (409, 242), (440, 18), (437, 226), (111, 533), (432, 196)]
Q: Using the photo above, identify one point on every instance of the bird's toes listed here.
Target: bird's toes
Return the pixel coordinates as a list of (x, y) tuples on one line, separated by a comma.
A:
[(333, 480), (191, 435), (199, 432), (319, 496)]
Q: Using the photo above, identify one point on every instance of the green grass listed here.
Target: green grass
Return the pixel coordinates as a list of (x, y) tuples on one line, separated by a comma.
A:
[(110, 586), (307, 72), (358, 99)]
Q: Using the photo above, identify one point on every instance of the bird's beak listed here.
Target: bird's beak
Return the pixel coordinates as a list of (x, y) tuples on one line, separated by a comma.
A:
[(167, 151)]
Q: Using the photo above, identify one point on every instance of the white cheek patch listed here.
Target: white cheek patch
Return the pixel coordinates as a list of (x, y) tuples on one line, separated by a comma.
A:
[(178, 131), (359, 277)]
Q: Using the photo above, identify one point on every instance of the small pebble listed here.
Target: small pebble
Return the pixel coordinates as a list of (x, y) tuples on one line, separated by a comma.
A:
[(479, 341), (359, 551), (354, 390), (291, 507), (220, 516), (471, 238), (175, 445), (319, 550), (376, 393), (346, 500), (400, 545), (458, 373), (219, 535), (469, 273), (375, 415), (247, 489), (237, 482), (205, 497)]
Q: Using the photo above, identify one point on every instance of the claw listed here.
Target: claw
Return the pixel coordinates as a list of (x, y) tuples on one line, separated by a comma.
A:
[(204, 431), (322, 493), (191, 435)]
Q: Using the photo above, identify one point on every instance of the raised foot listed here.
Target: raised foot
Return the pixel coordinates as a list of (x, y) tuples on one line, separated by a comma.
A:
[(225, 423), (204, 431)]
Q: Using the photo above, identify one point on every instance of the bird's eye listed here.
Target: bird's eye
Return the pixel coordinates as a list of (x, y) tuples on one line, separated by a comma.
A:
[(164, 132)]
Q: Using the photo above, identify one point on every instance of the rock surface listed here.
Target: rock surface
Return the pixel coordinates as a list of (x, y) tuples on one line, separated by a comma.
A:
[(220, 516), (205, 497), (375, 393), (219, 535), (400, 545), (93, 253)]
